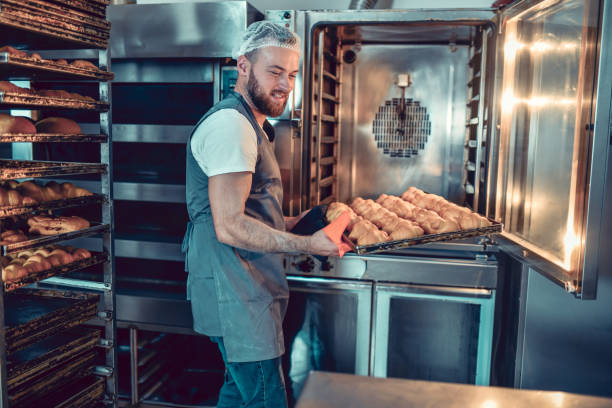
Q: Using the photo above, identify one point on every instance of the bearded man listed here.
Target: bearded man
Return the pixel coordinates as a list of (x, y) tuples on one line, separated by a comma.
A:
[(237, 231)]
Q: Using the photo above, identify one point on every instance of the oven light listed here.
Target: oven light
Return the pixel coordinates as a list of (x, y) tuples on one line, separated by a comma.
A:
[(540, 46), (508, 101), (571, 242), (512, 46)]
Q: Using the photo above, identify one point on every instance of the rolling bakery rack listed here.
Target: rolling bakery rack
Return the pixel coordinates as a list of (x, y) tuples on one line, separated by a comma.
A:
[(47, 357)]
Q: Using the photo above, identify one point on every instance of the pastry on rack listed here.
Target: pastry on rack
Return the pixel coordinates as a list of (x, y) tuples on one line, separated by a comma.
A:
[(15, 125), (405, 230), (29, 192), (24, 263), (12, 236), (58, 125), (463, 217), (44, 225)]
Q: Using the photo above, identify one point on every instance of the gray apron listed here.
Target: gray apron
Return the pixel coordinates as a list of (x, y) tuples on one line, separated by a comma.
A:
[(237, 294)]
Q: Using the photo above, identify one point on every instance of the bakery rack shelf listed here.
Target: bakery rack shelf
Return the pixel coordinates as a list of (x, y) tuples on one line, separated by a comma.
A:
[(96, 258), (95, 7), (15, 169), (40, 358), (14, 67), (8, 211), (26, 101), (52, 239), (51, 138), (64, 376), (24, 28), (32, 315)]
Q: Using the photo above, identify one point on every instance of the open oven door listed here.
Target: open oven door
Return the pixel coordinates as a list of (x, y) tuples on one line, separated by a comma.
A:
[(549, 146)]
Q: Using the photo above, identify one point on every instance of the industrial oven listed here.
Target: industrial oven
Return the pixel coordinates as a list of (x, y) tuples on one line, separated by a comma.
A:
[(507, 112)]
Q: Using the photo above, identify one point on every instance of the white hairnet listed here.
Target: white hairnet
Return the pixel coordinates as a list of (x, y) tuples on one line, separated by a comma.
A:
[(266, 34)]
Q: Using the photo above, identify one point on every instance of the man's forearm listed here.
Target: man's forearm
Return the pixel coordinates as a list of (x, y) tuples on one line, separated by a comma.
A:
[(249, 233)]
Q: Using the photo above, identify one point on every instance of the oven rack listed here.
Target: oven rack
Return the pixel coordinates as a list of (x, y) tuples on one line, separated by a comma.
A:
[(19, 30), (49, 23), (23, 101), (42, 357), (96, 258), (95, 7), (50, 16), (59, 12), (51, 138), (32, 315), (16, 67), (79, 366), (495, 228), (85, 391), (8, 211), (15, 169), (52, 239)]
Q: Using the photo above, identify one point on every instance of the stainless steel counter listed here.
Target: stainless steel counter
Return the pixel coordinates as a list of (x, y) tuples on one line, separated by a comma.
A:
[(335, 390)]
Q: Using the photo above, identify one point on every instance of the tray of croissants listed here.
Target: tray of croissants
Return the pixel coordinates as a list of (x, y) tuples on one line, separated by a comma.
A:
[(18, 198), (29, 266), (415, 217)]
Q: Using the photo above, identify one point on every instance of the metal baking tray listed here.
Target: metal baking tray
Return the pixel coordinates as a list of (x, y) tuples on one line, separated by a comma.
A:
[(31, 315), (51, 138), (43, 240), (17, 30), (10, 210), (19, 100), (16, 169), (43, 357), (82, 392), (95, 7), (95, 259), (37, 392), (405, 243), (15, 67), (47, 15), (59, 11)]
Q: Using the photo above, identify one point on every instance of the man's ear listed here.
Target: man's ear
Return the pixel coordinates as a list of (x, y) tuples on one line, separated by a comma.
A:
[(243, 65)]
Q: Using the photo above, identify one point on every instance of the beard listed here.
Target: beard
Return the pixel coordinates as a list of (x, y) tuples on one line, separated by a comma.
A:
[(264, 102)]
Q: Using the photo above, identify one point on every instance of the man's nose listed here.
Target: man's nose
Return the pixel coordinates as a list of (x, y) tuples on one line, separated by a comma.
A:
[(284, 83)]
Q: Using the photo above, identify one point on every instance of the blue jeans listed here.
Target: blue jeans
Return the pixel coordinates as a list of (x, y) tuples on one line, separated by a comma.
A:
[(257, 384)]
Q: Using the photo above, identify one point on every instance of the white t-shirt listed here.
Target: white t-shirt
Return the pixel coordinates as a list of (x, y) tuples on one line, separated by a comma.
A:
[(225, 143)]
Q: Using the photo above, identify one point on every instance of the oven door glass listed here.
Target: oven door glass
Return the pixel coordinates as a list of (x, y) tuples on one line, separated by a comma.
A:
[(548, 59)]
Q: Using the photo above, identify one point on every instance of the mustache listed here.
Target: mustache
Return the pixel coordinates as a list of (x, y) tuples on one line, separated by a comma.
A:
[(278, 91)]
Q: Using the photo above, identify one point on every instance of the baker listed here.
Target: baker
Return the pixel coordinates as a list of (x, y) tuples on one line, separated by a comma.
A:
[(237, 231)]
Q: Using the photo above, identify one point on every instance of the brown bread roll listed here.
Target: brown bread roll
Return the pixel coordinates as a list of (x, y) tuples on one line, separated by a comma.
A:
[(31, 189), (81, 253), (15, 124), (83, 64), (65, 257), (6, 86), (61, 61), (4, 199), (13, 51), (58, 125), (15, 198)]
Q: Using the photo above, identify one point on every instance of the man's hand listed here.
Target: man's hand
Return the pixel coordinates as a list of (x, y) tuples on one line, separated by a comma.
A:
[(320, 244)]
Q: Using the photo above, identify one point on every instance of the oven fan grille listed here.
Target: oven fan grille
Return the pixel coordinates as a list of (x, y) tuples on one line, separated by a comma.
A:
[(401, 137)]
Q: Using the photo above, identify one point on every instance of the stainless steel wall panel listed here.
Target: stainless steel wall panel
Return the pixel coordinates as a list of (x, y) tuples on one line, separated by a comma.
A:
[(182, 30), (167, 71)]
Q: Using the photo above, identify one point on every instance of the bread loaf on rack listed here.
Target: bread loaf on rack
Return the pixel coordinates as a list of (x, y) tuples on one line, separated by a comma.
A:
[(83, 64), (13, 51), (58, 125), (15, 125)]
